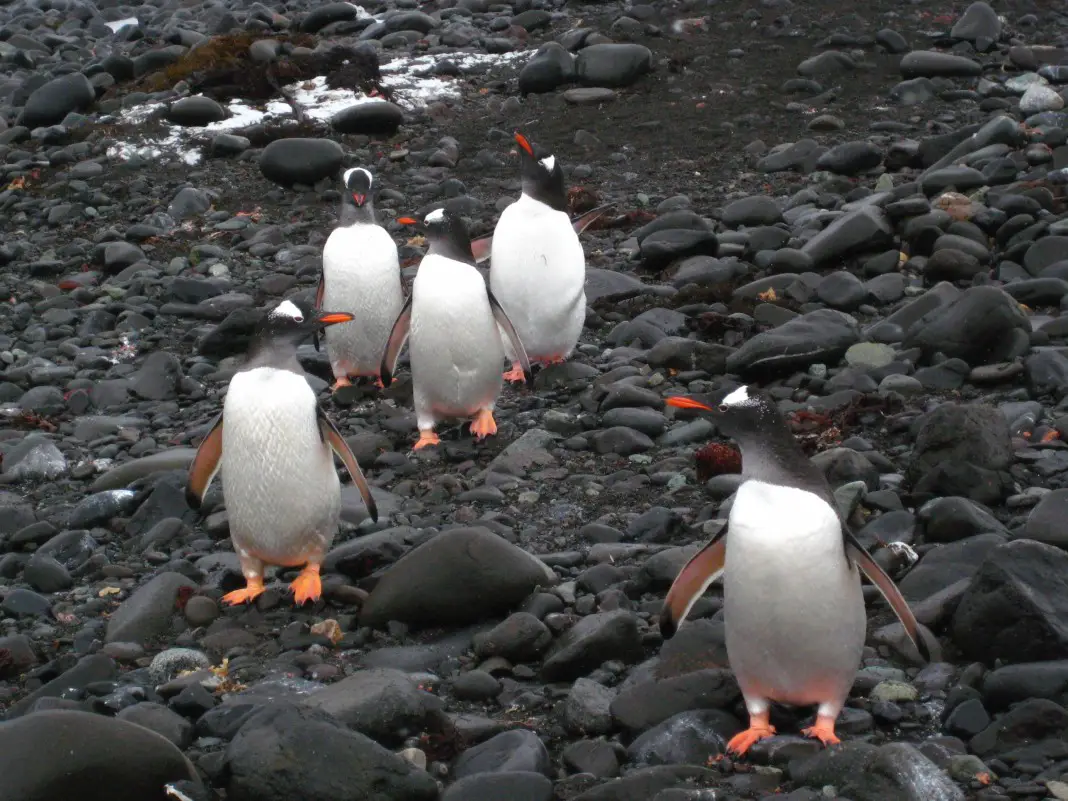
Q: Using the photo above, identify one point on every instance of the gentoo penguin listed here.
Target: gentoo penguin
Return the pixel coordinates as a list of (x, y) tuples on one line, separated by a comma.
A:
[(275, 447), (361, 273), (792, 602), (455, 344), (537, 267)]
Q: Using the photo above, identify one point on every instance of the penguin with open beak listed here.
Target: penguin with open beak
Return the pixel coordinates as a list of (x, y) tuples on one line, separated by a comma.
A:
[(537, 266), (275, 446), (361, 273), (792, 603), (453, 324)]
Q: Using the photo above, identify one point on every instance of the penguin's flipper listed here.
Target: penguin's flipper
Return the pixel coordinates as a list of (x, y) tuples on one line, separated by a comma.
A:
[(509, 331), (397, 337), (877, 576), (337, 443), (205, 464), (480, 248), (584, 221), (695, 577)]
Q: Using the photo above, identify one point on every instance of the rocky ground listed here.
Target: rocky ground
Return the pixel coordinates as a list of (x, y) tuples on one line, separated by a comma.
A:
[(858, 206)]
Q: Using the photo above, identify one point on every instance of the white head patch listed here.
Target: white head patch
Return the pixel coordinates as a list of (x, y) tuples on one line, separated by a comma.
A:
[(351, 170), (288, 308), (437, 215), (739, 397), (548, 163)]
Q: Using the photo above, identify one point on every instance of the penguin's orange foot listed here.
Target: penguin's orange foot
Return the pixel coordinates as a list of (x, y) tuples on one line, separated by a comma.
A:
[(378, 382), (307, 587), (484, 425), (759, 729), (823, 731), (553, 360), (253, 588), (515, 374), (426, 439), (341, 382)]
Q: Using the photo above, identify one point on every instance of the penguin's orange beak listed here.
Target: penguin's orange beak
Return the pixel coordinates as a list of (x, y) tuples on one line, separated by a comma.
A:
[(682, 402), (358, 199), (407, 221), (524, 143), (332, 318)]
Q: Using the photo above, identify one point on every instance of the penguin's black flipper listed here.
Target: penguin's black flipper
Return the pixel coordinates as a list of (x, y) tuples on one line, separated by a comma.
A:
[(584, 221), (397, 337), (337, 443), (205, 464), (695, 577), (877, 576), (509, 330)]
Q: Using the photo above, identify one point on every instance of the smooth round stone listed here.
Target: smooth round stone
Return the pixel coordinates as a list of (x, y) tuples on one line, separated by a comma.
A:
[(869, 354), (589, 95)]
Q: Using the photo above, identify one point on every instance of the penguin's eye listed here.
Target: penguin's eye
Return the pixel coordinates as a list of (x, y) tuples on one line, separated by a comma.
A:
[(299, 318), (724, 407)]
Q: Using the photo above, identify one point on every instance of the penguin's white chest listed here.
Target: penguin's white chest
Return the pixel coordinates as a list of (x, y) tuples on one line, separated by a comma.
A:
[(454, 347), (282, 492), (361, 275), (538, 273), (793, 608)]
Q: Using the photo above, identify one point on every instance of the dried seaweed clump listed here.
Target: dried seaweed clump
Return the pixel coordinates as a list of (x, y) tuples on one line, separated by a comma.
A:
[(223, 70)]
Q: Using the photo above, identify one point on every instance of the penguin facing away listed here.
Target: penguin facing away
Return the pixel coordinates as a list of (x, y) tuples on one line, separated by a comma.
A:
[(792, 603), (275, 446), (361, 273), (537, 266), (453, 325)]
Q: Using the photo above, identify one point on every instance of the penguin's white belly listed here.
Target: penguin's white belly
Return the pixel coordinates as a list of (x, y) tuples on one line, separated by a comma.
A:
[(283, 495), (793, 607), (361, 276), (538, 273), (454, 348)]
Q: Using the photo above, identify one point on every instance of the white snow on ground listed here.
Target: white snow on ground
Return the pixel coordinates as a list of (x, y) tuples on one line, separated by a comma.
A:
[(403, 75)]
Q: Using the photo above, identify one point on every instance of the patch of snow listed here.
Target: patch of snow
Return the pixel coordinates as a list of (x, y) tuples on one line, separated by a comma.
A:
[(362, 13), (405, 76), (119, 24)]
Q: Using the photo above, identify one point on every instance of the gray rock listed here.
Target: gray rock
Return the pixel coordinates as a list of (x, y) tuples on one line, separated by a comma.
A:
[(612, 65), (54, 100), (820, 336), (284, 751), (1016, 608), (591, 641), (384, 704), (149, 612), (300, 161), (125, 762), (507, 752), (461, 575)]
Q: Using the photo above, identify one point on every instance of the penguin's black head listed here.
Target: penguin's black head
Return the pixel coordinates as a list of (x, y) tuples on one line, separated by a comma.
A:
[(446, 234), (294, 322), (358, 184), (542, 177), (742, 413)]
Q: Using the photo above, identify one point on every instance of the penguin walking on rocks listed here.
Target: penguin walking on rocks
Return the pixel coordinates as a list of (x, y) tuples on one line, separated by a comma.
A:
[(792, 602), (537, 266), (275, 448), (361, 273), (454, 325)]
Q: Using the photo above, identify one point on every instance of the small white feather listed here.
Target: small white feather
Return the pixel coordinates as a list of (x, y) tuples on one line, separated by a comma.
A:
[(740, 397), (288, 308), (437, 215), (351, 170), (548, 163)]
